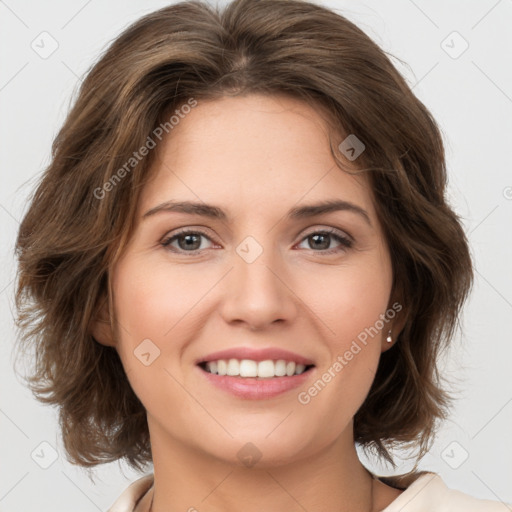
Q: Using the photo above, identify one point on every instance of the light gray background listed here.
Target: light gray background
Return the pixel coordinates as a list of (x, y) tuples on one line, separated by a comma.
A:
[(470, 96)]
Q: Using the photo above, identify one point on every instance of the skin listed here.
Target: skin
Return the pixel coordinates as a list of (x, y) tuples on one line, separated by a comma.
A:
[(255, 157)]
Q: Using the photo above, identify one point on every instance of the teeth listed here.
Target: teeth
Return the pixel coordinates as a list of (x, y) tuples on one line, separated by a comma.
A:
[(249, 368), (290, 368), (233, 367), (266, 369), (222, 367)]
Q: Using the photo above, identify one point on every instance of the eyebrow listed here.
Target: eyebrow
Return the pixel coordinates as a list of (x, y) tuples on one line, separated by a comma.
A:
[(300, 212)]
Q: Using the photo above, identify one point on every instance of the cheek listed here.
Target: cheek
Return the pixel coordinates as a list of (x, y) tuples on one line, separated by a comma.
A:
[(350, 301), (152, 298), (158, 308), (151, 303), (350, 305)]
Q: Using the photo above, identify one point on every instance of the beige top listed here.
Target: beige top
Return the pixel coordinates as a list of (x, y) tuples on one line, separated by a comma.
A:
[(424, 492)]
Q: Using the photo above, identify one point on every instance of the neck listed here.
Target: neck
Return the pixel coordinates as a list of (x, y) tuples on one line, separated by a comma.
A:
[(186, 479)]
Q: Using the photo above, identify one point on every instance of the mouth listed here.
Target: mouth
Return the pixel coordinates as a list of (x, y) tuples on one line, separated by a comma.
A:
[(248, 379), (251, 369)]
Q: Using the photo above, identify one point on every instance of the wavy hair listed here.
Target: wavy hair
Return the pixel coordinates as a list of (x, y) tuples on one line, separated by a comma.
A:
[(70, 237)]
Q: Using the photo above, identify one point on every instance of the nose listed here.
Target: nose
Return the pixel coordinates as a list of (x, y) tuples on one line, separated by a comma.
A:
[(258, 293)]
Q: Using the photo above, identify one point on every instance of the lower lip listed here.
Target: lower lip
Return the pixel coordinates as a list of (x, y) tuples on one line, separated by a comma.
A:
[(254, 388)]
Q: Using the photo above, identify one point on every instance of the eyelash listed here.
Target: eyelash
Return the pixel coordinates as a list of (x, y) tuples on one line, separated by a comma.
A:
[(345, 242)]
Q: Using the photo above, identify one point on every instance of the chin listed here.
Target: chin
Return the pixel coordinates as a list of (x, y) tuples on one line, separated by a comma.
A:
[(256, 448)]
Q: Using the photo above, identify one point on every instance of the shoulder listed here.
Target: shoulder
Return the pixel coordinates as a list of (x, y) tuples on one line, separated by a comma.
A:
[(427, 492), (132, 495), (421, 492)]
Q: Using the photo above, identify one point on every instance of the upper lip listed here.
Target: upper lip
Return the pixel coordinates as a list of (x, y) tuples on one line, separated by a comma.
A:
[(261, 354)]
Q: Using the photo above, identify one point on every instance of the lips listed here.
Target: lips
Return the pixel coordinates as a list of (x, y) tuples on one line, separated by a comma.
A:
[(233, 371)]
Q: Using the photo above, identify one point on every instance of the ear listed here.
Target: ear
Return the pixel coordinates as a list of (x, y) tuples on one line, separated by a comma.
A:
[(100, 324), (397, 316)]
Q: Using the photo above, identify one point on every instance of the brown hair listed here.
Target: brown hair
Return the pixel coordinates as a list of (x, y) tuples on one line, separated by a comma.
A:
[(70, 237)]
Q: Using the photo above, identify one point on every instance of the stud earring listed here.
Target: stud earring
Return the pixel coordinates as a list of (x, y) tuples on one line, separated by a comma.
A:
[(389, 339)]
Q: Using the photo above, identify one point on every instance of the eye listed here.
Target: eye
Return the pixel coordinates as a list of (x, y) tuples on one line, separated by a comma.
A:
[(188, 241), (322, 241)]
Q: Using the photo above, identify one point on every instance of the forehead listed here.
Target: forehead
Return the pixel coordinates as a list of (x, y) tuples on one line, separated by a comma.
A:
[(253, 151)]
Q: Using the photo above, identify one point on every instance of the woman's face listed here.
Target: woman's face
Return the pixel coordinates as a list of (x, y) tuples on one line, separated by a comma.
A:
[(240, 272)]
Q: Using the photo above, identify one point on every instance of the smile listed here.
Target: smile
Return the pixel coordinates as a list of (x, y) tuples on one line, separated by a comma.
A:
[(250, 368), (255, 380)]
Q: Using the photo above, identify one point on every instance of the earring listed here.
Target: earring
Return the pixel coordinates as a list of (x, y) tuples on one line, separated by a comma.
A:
[(389, 339)]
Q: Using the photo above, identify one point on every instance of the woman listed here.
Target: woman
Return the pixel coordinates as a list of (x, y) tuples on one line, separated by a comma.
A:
[(240, 263)]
